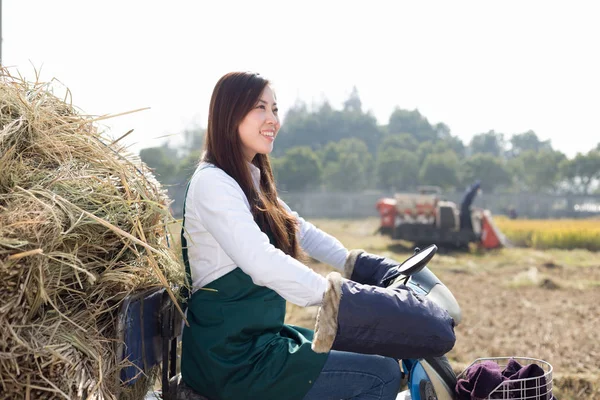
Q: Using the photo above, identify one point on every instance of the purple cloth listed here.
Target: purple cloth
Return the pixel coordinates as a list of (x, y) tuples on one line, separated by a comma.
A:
[(479, 381), (482, 378)]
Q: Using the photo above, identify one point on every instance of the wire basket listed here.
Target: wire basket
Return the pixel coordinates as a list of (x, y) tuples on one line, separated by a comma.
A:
[(534, 388)]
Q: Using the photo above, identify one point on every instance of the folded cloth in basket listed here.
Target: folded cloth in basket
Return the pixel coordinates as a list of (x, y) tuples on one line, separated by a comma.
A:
[(482, 378), (479, 381)]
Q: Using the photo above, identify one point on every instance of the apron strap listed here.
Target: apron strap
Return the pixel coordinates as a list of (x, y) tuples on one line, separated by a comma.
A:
[(186, 291)]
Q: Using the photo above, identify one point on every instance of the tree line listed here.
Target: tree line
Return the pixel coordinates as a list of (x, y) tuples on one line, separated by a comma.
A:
[(323, 148)]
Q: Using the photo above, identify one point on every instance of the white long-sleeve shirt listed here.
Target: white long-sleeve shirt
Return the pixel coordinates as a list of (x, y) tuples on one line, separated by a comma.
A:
[(222, 235)]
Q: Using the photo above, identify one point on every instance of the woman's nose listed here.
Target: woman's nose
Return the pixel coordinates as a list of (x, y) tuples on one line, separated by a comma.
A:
[(272, 118)]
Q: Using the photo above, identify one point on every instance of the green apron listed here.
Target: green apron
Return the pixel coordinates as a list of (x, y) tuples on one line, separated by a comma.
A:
[(237, 347)]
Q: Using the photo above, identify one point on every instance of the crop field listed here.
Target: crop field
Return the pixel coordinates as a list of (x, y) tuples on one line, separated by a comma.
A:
[(552, 234), (541, 302)]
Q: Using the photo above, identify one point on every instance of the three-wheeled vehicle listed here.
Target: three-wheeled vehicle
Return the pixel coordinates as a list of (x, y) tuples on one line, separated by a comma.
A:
[(150, 326)]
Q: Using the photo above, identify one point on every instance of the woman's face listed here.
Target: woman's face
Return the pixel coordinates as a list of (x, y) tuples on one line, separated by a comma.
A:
[(259, 127)]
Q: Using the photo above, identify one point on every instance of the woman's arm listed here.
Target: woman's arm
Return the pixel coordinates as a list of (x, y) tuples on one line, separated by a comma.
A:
[(319, 244), (225, 213)]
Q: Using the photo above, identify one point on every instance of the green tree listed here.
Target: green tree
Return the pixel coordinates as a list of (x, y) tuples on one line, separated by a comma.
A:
[(329, 153), (442, 130), (353, 103), (488, 143), (298, 170), (187, 165), (359, 147), (353, 145), (162, 160), (581, 171), (346, 175), (431, 148), (490, 170), (537, 171), (302, 128), (453, 143), (316, 129), (441, 169), (412, 122), (397, 168), (527, 141), (401, 141), (349, 166)]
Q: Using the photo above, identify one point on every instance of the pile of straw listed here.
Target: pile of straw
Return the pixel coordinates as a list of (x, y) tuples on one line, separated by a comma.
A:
[(82, 225)]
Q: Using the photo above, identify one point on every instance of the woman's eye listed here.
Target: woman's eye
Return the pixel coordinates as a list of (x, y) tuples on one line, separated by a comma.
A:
[(275, 110), (261, 106)]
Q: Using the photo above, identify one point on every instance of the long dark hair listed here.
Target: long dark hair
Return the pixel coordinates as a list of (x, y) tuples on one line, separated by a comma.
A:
[(234, 96)]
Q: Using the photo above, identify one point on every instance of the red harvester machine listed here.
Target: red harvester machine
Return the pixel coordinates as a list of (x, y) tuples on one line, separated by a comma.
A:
[(423, 218)]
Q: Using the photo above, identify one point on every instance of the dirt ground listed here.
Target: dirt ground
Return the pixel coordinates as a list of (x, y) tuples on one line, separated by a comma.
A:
[(515, 302)]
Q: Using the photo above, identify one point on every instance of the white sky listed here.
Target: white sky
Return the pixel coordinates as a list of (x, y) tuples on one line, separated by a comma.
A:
[(510, 66)]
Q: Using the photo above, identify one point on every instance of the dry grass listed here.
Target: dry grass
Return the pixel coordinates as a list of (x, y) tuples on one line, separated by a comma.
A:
[(82, 225), (515, 302)]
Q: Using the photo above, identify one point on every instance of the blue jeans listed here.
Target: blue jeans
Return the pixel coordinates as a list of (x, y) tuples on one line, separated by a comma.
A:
[(357, 377)]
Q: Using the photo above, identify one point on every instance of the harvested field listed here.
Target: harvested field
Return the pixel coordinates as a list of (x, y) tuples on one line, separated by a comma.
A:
[(515, 302)]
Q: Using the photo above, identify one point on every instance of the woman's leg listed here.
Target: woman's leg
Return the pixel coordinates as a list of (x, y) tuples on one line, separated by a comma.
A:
[(357, 377)]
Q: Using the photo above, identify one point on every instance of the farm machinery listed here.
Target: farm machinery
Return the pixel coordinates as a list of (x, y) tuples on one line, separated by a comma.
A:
[(425, 217)]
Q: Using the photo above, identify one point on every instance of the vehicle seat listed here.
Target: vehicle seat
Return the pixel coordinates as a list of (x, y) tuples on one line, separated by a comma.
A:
[(148, 330)]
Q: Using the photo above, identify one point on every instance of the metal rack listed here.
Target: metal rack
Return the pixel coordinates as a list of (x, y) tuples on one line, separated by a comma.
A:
[(534, 388)]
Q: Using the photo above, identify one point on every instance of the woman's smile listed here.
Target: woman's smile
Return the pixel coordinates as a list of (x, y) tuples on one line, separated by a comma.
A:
[(269, 134)]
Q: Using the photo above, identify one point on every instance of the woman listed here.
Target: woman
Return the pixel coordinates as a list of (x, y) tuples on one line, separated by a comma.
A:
[(242, 246)]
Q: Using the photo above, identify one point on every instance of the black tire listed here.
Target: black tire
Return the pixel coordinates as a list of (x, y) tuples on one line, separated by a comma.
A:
[(442, 366)]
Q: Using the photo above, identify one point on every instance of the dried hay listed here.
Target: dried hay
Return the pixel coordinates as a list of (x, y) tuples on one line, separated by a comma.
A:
[(82, 224)]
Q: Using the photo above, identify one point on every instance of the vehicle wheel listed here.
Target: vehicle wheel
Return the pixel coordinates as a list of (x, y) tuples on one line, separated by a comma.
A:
[(442, 366)]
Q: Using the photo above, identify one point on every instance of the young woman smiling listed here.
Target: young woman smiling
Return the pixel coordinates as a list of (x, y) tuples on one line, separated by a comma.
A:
[(246, 246)]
